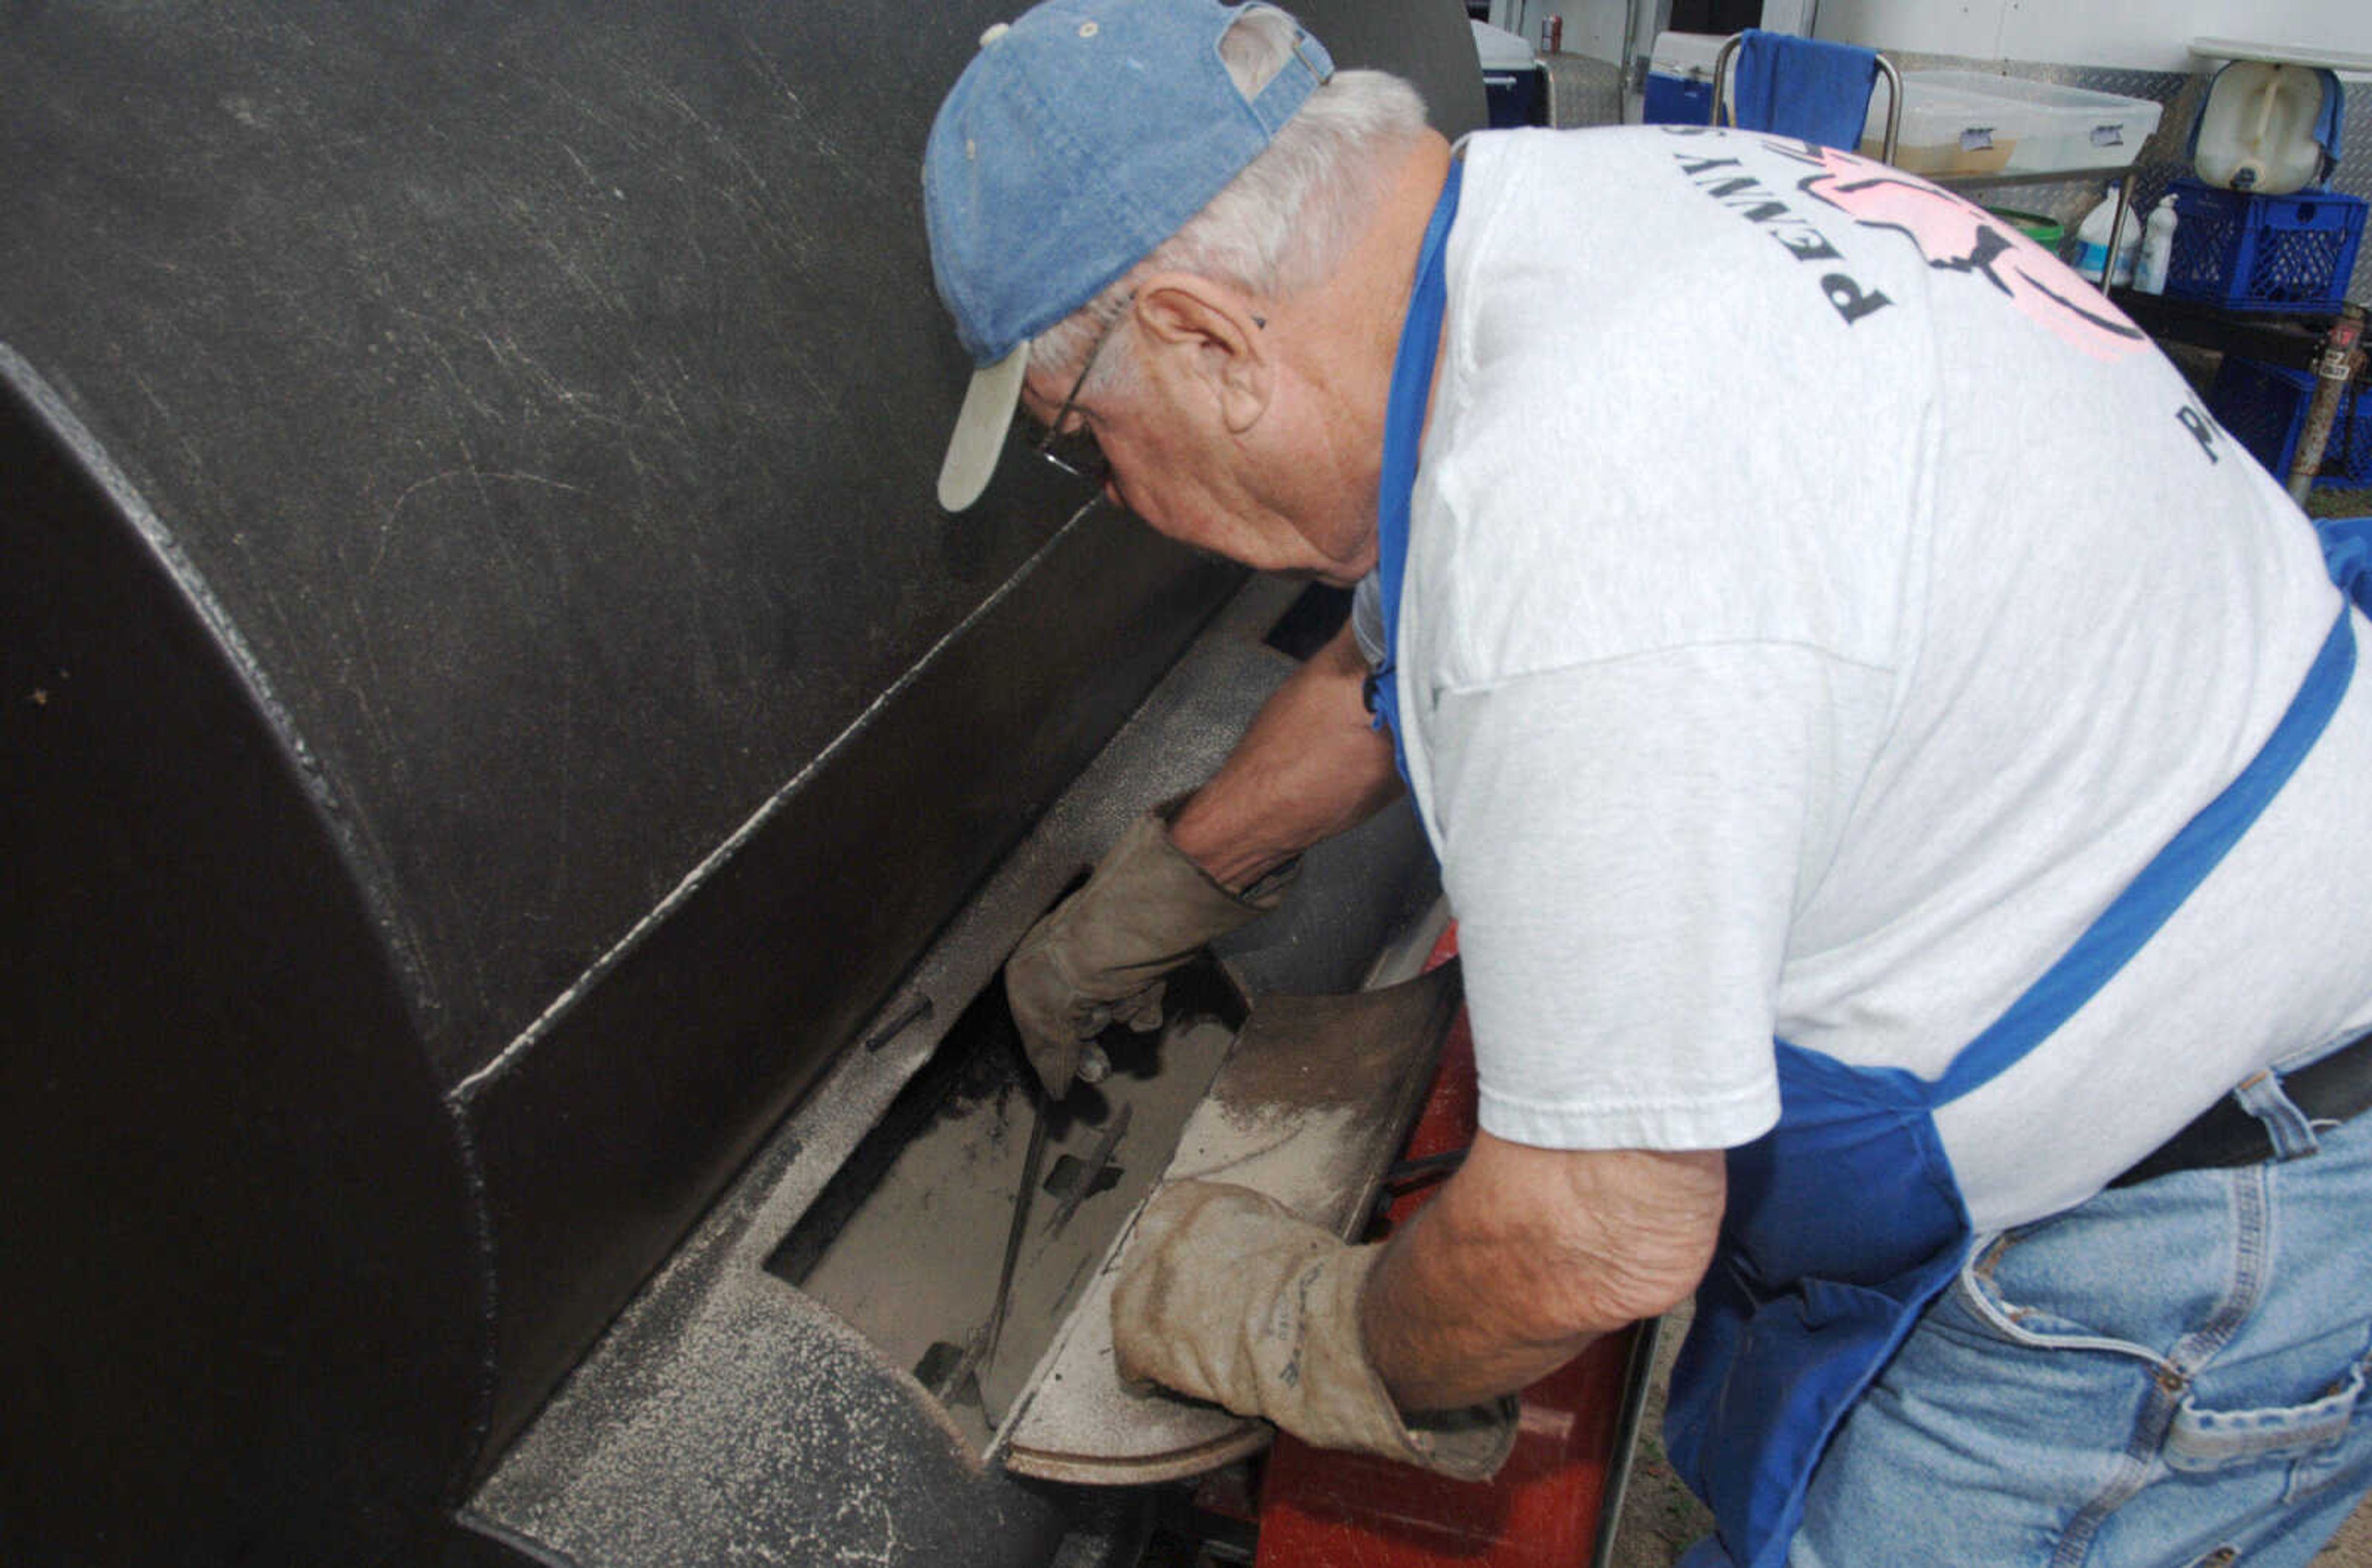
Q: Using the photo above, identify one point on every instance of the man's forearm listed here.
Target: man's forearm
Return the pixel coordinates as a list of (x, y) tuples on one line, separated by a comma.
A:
[(1526, 1257), (1309, 767)]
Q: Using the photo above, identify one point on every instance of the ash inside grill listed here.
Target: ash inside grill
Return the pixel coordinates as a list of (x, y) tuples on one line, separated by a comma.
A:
[(908, 1240)]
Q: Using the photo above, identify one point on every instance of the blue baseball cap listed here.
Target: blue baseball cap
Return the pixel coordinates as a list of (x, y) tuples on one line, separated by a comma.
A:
[(1079, 138)]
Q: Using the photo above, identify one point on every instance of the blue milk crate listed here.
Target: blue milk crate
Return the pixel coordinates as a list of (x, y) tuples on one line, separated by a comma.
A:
[(2247, 252), (2264, 408)]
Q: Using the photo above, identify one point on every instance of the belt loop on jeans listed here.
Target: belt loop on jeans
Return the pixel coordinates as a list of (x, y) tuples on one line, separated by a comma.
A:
[(2267, 1116), (2262, 1095)]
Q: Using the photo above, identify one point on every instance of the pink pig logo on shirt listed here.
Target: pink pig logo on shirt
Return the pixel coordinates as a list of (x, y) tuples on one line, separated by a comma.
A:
[(1957, 237)]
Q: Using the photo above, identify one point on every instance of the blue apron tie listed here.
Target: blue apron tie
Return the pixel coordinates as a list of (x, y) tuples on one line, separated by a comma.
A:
[(1845, 1220), (1404, 434)]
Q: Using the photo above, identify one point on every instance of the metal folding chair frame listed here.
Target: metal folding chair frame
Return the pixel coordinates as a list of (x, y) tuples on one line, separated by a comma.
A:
[(1886, 68)]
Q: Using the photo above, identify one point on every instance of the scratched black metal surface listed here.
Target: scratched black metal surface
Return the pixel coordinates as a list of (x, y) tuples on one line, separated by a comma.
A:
[(553, 396), (546, 402), (244, 1316)]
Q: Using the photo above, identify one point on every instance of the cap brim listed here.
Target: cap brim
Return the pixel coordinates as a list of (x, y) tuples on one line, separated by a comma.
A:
[(979, 439)]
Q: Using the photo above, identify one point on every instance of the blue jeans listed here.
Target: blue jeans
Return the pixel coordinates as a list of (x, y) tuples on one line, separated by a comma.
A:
[(2170, 1375)]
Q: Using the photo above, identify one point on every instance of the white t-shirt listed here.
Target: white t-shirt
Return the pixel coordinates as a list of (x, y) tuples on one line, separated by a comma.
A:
[(1817, 611)]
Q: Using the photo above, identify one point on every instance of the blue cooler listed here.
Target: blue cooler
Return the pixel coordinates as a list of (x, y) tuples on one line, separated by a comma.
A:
[(1512, 90), (1679, 78)]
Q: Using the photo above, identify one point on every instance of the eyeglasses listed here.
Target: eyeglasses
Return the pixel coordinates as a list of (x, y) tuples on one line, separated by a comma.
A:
[(1076, 451)]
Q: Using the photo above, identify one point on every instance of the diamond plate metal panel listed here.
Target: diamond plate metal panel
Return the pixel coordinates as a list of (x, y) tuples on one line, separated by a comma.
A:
[(1582, 91), (2355, 174)]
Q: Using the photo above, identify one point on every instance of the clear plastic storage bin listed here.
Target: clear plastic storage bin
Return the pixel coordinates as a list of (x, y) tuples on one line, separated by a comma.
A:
[(1946, 128), (1976, 123), (2077, 128)]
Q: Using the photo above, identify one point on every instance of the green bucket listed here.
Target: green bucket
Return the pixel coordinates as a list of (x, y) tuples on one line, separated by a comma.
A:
[(2046, 232)]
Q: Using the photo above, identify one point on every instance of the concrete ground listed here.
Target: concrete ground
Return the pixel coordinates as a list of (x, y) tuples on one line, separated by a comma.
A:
[(1660, 1519)]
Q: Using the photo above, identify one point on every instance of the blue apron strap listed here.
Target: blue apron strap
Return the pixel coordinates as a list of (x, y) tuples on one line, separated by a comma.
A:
[(2151, 898), (1820, 1274), (2347, 556), (2154, 895), (1403, 436)]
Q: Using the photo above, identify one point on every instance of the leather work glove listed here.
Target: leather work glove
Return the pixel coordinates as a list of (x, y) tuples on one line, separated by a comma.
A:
[(1100, 956), (1227, 1296)]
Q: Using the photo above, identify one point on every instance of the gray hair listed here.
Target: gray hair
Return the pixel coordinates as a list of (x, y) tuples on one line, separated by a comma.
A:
[(1284, 222)]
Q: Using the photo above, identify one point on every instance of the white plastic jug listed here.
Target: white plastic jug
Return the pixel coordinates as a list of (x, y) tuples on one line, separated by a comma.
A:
[(2089, 252), (2257, 131)]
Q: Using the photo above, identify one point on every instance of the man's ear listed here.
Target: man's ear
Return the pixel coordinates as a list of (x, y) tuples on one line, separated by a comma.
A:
[(1207, 331)]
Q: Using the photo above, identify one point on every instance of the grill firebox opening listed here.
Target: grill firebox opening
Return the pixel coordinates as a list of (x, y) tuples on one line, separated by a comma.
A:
[(907, 1240)]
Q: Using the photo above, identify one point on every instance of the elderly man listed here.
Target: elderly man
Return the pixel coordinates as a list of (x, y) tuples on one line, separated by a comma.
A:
[(1893, 758)]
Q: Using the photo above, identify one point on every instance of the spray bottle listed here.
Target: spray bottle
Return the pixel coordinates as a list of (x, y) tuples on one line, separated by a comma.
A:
[(2158, 248)]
